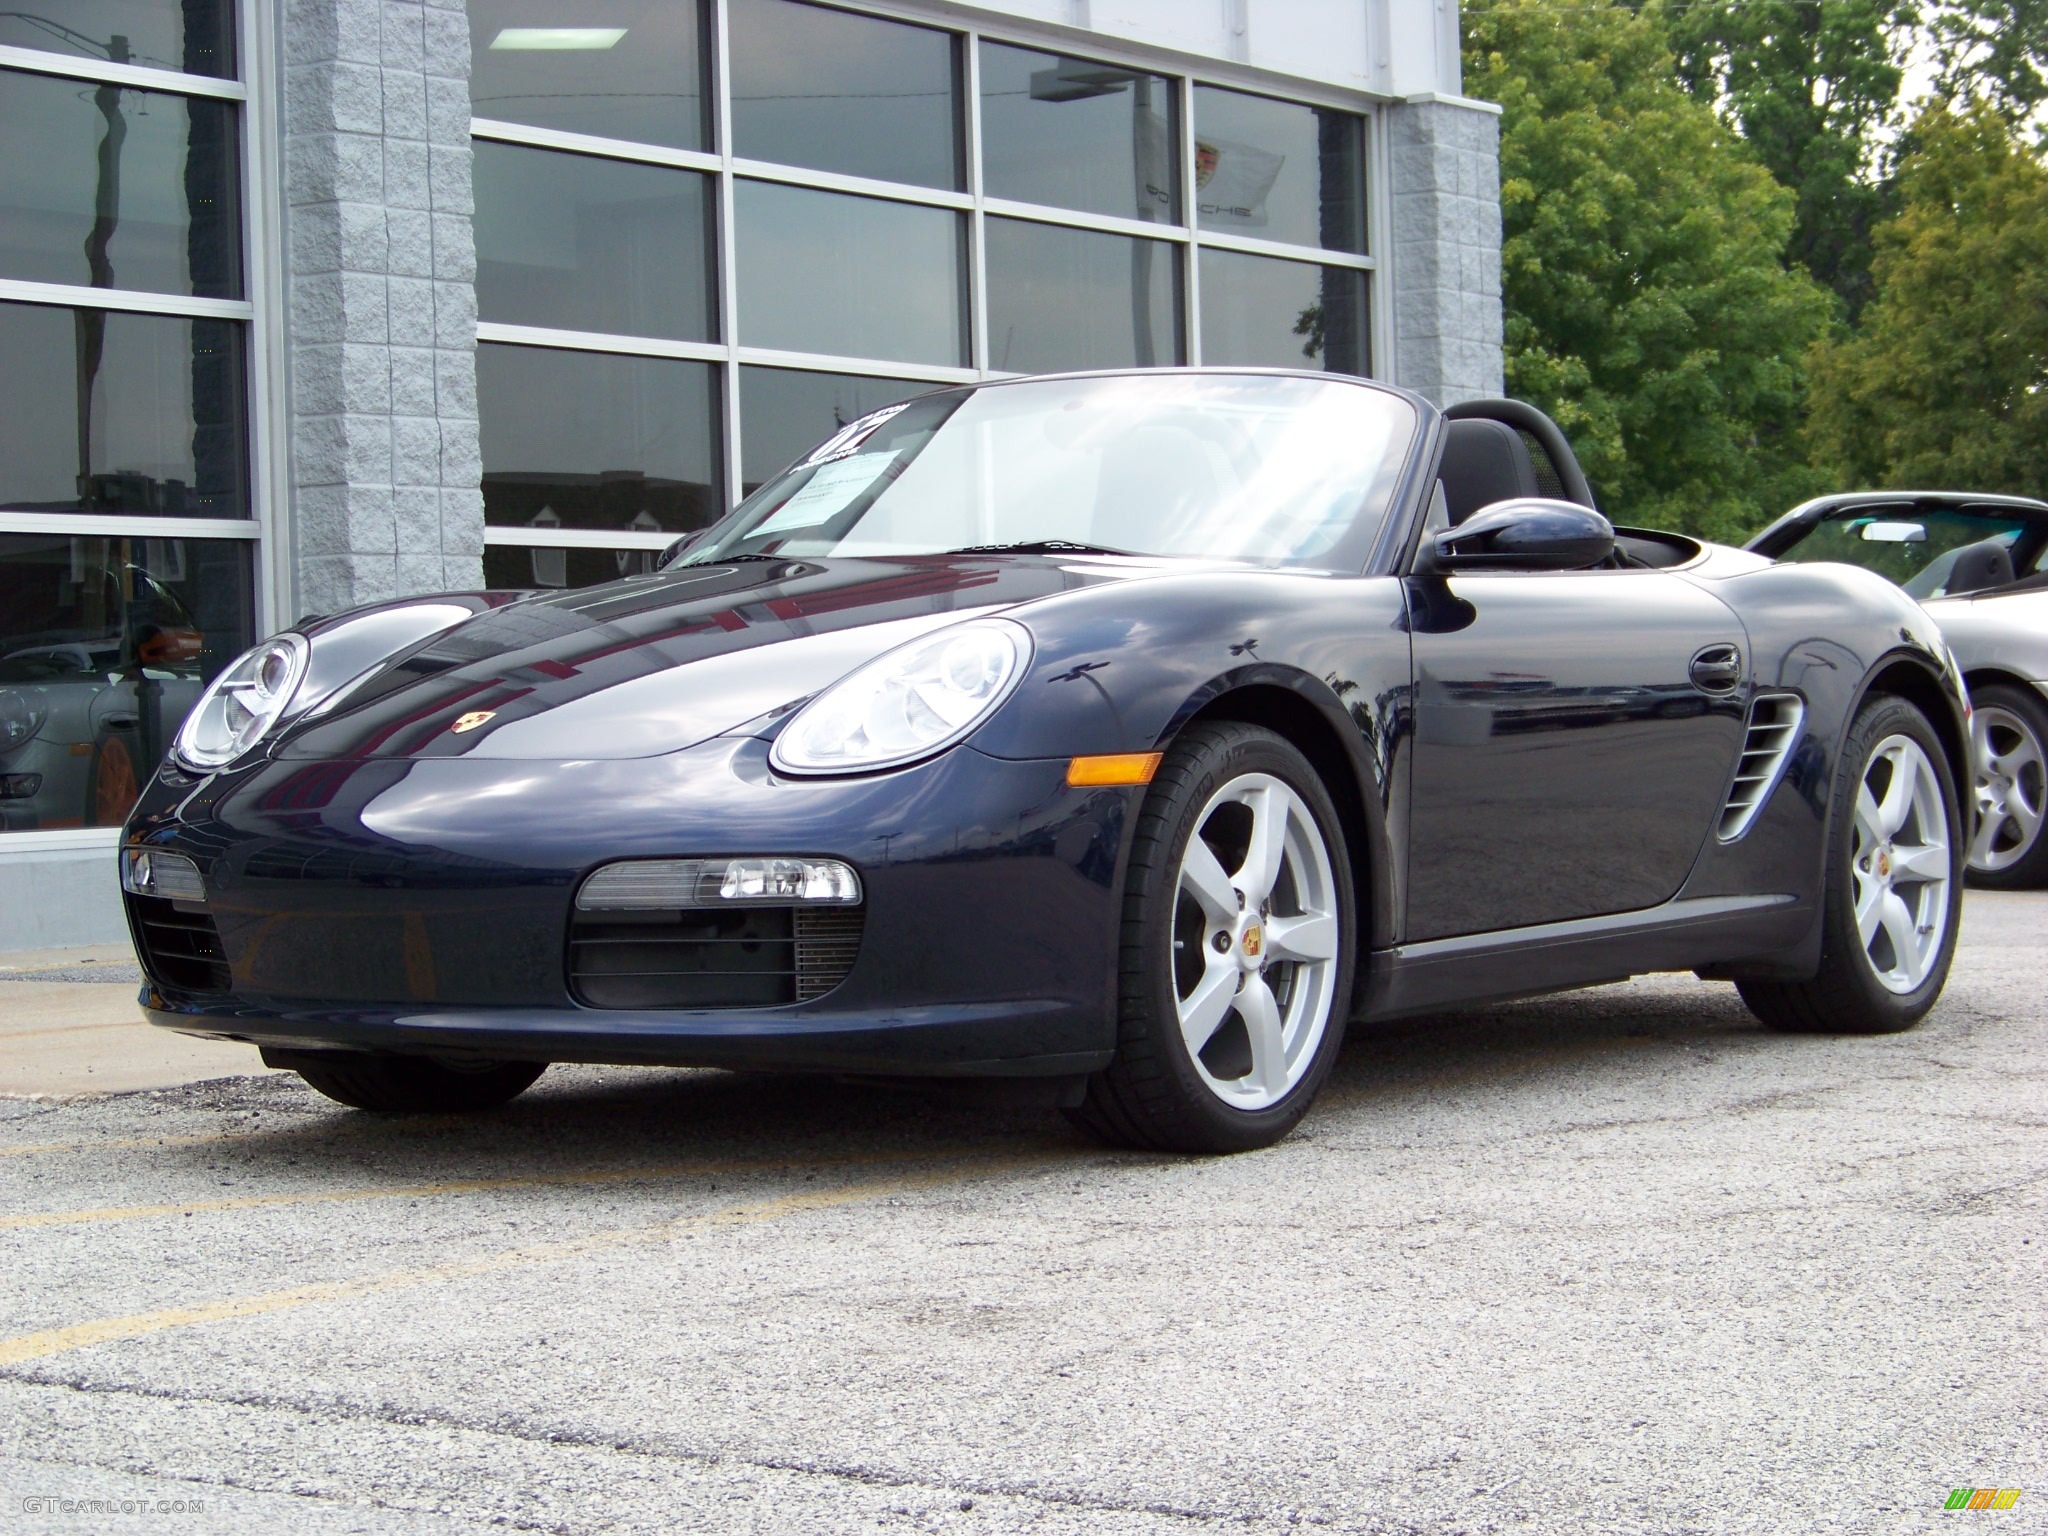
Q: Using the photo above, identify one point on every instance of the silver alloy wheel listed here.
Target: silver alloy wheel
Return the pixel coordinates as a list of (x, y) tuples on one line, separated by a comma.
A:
[(1254, 941), (1901, 863), (2012, 787)]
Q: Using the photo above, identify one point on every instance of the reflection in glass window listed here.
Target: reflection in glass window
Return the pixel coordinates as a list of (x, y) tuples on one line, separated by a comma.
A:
[(1062, 299), (1279, 170), (156, 429), (853, 276), (193, 37), (511, 566), (1282, 314), (840, 92), (109, 187), (1078, 134), (587, 244), (620, 69), (592, 440), (105, 644), (786, 412)]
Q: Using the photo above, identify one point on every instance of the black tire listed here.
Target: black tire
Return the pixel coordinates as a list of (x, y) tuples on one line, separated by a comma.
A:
[(414, 1085), (1151, 1095), (1845, 996), (2024, 710)]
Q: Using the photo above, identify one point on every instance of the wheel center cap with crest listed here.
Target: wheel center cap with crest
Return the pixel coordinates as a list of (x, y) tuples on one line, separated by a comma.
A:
[(1253, 945)]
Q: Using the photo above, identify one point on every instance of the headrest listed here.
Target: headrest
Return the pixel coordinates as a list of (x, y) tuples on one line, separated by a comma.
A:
[(1484, 462), (1979, 567)]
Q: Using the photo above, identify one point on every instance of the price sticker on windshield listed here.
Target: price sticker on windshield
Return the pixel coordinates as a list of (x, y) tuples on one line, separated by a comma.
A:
[(832, 488)]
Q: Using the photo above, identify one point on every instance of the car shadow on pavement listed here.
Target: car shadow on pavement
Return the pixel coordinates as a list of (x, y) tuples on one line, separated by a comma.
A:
[(594, 1118)]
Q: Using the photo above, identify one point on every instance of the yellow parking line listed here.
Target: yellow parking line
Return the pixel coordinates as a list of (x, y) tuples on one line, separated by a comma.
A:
[(57, 1341), (638, 1173), (359, 1123)]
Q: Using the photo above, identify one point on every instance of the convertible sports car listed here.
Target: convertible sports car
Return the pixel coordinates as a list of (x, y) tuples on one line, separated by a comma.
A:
[(1129, 733), (1980, 564)]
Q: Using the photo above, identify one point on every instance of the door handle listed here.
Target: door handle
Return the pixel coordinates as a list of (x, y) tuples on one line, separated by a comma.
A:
[(1716, 669)]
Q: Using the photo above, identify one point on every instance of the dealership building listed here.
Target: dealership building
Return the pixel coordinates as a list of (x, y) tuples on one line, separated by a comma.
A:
[(322, 302)]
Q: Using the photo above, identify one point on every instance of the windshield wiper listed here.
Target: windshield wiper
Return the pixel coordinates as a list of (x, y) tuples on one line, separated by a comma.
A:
[(1038, 547)]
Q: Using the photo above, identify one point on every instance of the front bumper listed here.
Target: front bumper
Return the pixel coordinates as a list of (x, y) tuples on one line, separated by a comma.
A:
[(424, 907)]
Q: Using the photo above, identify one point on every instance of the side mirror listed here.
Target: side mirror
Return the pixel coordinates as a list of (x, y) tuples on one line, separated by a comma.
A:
[(1528, 534), (676, 548)]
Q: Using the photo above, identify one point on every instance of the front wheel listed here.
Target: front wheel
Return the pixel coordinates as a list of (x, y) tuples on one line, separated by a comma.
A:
[(1235, 974), (1893, 897), (411, 1085), (2010, 728)]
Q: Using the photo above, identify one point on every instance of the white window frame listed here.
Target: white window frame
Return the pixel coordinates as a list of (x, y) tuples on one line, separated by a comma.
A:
[(260, 314), (1184, 71)]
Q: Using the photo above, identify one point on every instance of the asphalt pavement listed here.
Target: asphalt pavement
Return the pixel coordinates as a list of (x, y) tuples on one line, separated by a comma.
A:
[(1611, 1261)]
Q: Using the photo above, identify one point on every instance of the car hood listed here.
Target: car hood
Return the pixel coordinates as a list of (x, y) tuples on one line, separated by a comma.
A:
[(662, 662)]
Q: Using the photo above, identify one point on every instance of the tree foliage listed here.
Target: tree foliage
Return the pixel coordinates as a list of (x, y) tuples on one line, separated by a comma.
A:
[(1994, 51), (1813, 87), (1945, 383), (1647, 304)]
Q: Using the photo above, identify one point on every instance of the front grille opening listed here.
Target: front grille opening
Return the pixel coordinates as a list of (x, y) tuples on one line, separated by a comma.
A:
[(1774, 721), (739, 957), (180, 947)]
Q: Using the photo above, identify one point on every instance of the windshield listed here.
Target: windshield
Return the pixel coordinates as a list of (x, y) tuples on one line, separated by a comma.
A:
[(1918, 549), (1237, 467)]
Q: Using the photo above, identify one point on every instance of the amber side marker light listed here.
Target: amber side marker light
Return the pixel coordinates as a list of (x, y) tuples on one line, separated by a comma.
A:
[(1113, 768)]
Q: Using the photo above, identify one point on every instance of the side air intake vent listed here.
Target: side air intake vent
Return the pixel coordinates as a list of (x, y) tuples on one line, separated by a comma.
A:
[(1774, 721)]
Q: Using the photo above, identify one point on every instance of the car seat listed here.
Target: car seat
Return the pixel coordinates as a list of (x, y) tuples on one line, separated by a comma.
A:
[(1979, 567)]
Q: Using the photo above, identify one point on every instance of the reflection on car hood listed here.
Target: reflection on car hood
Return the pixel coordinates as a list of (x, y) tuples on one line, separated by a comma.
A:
[(658, 663)]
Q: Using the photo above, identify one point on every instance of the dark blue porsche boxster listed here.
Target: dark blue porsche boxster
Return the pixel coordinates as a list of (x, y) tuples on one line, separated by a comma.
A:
[(1128, 732)]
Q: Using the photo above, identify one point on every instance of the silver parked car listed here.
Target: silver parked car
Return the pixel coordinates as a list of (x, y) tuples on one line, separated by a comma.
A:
[(1979, 564)]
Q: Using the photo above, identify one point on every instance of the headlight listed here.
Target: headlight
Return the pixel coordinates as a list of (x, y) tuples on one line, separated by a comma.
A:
[(20, 718), (241, 704), (908, 703)]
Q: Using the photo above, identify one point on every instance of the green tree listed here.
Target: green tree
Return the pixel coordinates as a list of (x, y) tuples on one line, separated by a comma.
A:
[(1945, 383), (1994, 50), (1813, 86), (1648, 306)]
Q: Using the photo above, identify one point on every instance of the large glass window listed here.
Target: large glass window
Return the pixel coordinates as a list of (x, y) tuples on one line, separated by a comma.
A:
[(1062, 299), (1279, 170), (102, 411), (589, 440), (1077, 134), (834, 91), (110, 413), (192, 37), (587, 244), (866, 260), (619, 69), (105, 186), (105, 645), (855, 276), (1282, 314), (789, 411)]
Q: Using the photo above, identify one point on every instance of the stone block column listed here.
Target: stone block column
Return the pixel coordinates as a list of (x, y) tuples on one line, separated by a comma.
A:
[(381, 311), (1445, 266)]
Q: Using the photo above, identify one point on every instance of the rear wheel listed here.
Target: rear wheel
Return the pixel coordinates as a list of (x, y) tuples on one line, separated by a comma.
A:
[(1235, 976), (1894, 885), (411, 1085), (2010, 745)]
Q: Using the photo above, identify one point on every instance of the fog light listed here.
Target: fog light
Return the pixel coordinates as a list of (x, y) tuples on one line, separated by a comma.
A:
[(20, 786), (171, 876), (665, 885)]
